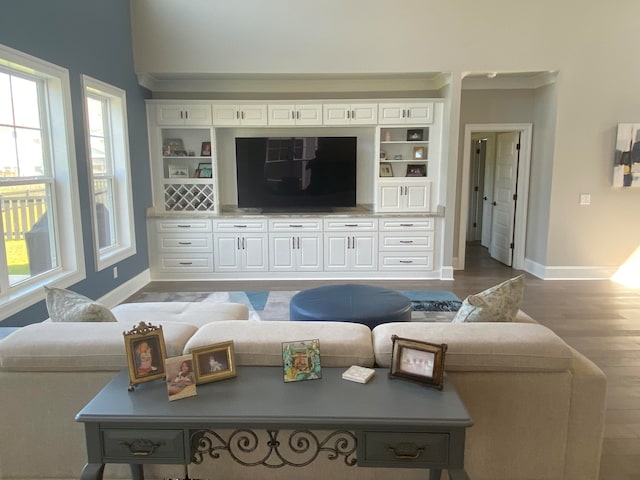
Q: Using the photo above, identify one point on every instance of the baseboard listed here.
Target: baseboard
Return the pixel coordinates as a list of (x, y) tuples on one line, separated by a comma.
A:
[(446, 273), (569, 273), (124, 291)]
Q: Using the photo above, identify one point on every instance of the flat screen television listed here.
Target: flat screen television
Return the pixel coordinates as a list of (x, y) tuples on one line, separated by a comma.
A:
[(296, 173)]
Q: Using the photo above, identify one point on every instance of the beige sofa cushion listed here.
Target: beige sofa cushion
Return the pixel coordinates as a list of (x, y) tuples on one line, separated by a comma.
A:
[(194, 313), (260, 343), (490, 346), (72, 346)]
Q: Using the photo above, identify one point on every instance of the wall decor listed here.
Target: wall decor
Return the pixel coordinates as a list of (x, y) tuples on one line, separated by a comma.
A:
[(214, 362), (146, 353), (626, 163), (418, 361), (301, 360)]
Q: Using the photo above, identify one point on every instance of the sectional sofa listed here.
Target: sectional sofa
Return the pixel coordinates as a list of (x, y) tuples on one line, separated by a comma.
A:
[(537, 404)]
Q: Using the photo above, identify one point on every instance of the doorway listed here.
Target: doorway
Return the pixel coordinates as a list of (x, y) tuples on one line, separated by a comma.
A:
[(495, 190)]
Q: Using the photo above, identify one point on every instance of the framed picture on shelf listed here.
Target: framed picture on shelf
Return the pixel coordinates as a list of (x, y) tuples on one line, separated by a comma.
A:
[(146, 353), (214, 362), (418, 153), (178, 171), (204, 170), (386, 170), (205, 150), (173, 147), (415, 135), (181, 381), (418, 361), (416, 170)]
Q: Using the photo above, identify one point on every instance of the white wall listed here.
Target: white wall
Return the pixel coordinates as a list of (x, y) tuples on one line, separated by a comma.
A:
[(590, 43)]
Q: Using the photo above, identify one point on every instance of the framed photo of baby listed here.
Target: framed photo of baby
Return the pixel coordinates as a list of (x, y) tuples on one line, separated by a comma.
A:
[(146, 353), (214, 362)]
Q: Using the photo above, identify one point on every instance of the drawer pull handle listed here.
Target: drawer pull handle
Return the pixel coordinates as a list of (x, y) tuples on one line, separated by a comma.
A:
[(295, 226), (406, 451), (186, 263), (406, 224), (184, 243), (240, 226), (142, 447), (184, 226), (406, 261), (350, 224), (406, 241)]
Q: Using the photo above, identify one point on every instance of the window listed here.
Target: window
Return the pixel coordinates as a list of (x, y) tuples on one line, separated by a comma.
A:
[(110, 180), (40, 227)]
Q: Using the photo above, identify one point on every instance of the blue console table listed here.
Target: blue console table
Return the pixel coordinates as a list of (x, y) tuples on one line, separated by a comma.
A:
[(384, 423)]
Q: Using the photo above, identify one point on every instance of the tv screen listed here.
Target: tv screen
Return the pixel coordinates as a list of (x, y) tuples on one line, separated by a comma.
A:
[(296, 173)]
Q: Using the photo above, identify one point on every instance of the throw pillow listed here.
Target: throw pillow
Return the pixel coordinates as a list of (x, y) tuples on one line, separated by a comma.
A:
[(67, 306), (499, 303)]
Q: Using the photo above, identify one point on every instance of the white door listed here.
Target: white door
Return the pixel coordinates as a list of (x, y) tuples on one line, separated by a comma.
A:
[(309, 248), (364, 252), (417, 197), (255, 252), (281, 254), (226, 248), (504, 201)]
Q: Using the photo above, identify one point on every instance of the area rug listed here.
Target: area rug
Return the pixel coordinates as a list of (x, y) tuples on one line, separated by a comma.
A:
[(427, 305)]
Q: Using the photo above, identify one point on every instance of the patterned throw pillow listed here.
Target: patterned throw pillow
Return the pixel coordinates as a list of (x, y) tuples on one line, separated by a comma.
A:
[(499, 303), (67, 306)]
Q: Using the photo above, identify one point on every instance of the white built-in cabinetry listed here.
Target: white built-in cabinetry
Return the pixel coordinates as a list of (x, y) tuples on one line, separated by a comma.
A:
[(295, 245), (190, 237)]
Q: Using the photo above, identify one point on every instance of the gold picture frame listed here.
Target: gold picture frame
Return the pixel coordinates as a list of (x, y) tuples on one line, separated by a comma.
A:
[(418, 153), (418, 361), (214, 362), (146, 353), (386, 170)]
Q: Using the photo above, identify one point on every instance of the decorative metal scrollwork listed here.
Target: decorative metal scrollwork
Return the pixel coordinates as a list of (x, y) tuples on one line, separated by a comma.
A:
[(250, 448)]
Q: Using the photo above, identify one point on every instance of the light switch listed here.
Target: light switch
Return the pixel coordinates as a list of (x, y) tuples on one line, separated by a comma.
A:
[(585, 199)]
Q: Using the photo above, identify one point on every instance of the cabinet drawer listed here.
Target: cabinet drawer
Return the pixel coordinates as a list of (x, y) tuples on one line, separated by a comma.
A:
[(123, 446), (183, 243), (405, 261), (186, 263), (403, 449), (399, 241), (351, 224), (240, 225), (407, 224), (189, 225), (295, 225)]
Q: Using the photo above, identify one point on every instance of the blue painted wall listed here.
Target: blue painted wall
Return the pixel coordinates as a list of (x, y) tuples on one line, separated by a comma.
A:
[(91, 37)]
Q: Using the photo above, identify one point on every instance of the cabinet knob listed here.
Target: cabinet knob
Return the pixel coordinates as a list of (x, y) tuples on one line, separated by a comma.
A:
[(406, 451)]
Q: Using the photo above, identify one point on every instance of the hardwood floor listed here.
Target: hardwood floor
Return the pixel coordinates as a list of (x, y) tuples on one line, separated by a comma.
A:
[(601, 319)]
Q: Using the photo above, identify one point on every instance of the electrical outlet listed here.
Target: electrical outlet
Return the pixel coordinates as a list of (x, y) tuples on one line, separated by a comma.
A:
[(585, 199), (115, 272)]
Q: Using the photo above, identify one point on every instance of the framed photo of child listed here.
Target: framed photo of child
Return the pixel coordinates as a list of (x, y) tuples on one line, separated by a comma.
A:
[(146, 353), (180, 377)]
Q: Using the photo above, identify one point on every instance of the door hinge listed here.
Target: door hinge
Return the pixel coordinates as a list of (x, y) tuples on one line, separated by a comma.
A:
[(475, 224), (475, 189), (515, 196), (518, 146), (511, 245)]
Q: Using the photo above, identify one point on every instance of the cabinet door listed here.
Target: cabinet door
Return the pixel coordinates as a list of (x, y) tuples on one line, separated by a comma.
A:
[(197, 115), (336, 114), (308, 114), (253, 115), (226, 115), (417, 197), (281, 253), (226, 253), (336, 251), (389, 197), (364, 114), (309, 250), (282, 115), (419, 113), (391, 113), (170, 115), (255, 252), (364, 254)]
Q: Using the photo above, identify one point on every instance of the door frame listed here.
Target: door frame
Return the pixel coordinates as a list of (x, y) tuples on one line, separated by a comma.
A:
[(522, 203)]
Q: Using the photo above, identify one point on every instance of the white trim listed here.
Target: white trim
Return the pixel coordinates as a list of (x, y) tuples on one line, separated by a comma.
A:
[(578, 273), (124, 291), (523, 187)]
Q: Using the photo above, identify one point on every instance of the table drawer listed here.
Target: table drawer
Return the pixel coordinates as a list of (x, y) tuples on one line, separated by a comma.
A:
[(144, 446), (403, 449)]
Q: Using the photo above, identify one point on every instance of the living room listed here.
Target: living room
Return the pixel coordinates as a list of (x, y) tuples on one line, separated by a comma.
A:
[(491, 64)]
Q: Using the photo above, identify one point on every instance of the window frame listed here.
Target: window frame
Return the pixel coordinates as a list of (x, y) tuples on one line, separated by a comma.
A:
[(65, 193), (117, 146)]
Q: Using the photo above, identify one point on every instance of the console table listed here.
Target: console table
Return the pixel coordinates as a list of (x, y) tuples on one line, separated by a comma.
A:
[(384, 423)]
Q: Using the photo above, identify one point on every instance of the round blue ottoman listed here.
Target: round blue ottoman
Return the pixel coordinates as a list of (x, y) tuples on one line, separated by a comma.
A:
[(355, 303)]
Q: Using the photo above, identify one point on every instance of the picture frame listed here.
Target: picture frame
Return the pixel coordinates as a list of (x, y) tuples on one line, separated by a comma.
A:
[(178, 171), (418, 361), (416, 170), (386, 169), (214, 362), (180, 377), (415, 135), (205, 149), (146, 353), (301, 360), (418, 153), (204, 170), (173, 147)]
